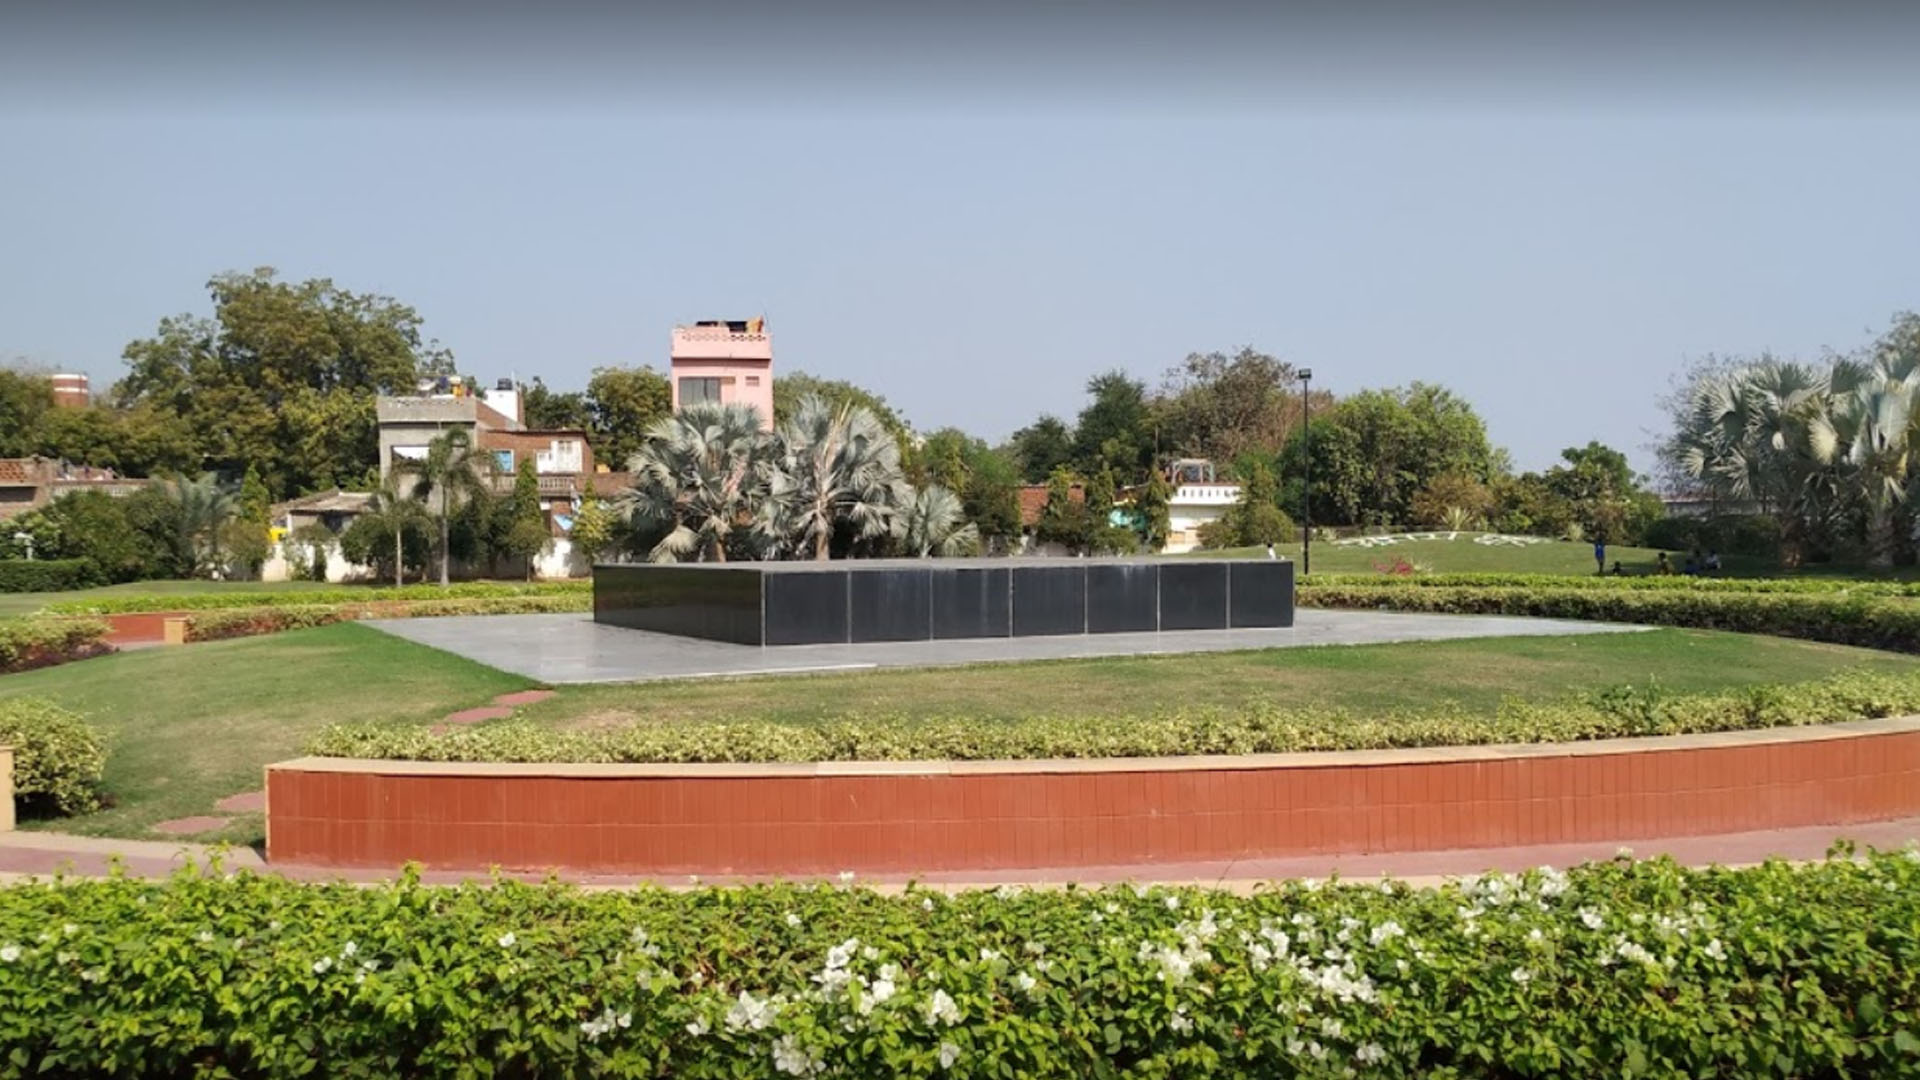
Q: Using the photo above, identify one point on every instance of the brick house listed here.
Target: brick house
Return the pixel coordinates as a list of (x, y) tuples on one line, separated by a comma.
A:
[(32, 482)]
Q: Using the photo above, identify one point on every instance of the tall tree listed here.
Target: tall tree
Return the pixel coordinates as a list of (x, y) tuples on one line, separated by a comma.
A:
[(549, 410), (1064, 519), (1153, 502), (793, 387), (282, 377), (395, 510), (525, 533), (623, 404), (1041, 447), (26, 398), (1115, 430), (453, 472), (1374, 451), (1219, 407), (205, 508), (833, 466), (699, 477)]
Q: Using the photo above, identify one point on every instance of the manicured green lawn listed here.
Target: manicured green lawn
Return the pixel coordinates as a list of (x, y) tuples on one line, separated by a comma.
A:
[(1462, 553), (187, 726), (190, 725)]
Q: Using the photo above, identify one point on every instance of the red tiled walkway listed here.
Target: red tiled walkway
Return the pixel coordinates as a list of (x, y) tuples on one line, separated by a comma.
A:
[(46, 853)]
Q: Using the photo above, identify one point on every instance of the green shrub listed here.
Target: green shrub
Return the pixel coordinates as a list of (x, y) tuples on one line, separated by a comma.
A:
[(1673, 583), (1616, 969), (218, 601), (57, 758), (42, 642), (47, 575), (1254, 729), (1841, 617), (262, 619)]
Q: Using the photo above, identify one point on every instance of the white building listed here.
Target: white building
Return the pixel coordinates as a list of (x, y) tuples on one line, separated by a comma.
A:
[(1198, 498)]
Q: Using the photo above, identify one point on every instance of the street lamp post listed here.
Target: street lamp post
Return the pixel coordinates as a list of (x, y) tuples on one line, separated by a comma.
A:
[(25, 538), (1306, 471)]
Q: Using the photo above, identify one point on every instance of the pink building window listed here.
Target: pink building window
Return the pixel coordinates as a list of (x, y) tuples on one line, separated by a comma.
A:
[(698, 391)]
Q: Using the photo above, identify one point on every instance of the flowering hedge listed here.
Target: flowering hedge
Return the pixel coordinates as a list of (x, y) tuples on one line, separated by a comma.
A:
[(1618, 969), (42, 642), (1839, 617), (57, 758), (1255, 728), (220, 601), (246, 622)]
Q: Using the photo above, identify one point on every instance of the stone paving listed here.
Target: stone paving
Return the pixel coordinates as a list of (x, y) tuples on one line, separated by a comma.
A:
[(25, 854), (572, 648)]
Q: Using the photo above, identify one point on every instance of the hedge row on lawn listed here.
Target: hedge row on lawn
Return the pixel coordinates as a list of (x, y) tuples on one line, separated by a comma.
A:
[(41, 642), (1833, 617), (48, 575), (220, 601), (1617, 969), (1676, 583), (246, 622), (1256, 728), (57, 758)]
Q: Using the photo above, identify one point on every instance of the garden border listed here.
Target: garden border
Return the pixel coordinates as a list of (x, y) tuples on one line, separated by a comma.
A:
[(924, 816)]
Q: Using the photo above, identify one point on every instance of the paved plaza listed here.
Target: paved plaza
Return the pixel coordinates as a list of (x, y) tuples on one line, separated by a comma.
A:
[(572, 648)]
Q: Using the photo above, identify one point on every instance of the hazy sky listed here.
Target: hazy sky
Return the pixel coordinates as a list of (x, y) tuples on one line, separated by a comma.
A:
[(972, 215)]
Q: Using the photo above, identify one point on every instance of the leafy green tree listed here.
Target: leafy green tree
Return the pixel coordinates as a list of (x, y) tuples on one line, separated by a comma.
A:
[(1041, 447), (26, 398), (1219, 407), (698, 478), (206, 507), (1453, 498), (550, 410), (991, 496), (453, 472), (130, 539), (393, 512), (793, 387), (1153, 502), (1374, 451), (247, 540), (623, 403), (595, 529), (526, 534), (1115, 430), (1256, 518), (1064, 519), (282, 377)]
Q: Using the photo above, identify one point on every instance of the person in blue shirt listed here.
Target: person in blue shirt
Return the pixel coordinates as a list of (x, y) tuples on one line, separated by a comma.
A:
[(1600, 556)]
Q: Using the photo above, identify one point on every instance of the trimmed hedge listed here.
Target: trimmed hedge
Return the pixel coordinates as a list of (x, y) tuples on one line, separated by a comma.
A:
[(41, 642), (57, 758), (1617, 969), (48, 575), (247, 622), (1674, 583), (1254, 729), (220, 601), (1837, 617)]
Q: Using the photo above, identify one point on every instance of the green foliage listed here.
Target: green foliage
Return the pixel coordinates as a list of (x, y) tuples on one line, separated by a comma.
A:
[(549, 410), (595, 529), (453, 475), (1042, 447), (581, 591), (57, 758), (622, 404), (1258, 727), (1218, 407), (1732, 534), (986, 480), (1064, 519), (130, 539), (281, 378), (525, 533), (43, 642), (1612, 969), (1840, 617), (793, 387), (1256, 519), (1115, 430), (47, 575), (1452, 499), (1372, 452), (698, 479), (25, 397), (1154, 505), (219, 624)]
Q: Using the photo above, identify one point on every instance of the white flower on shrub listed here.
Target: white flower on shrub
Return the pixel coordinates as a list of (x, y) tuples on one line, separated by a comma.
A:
[(879, 993), (1384, 933), (750, 1013), (1715, 950), (507, 939), (93, 975), (1006, 892), (1521, 976), (926, 903), (1173, 903), (204, 937), (1535, 937), (698, 1026), (65, 957), (604, 1023), (949, 1054), (1370, 1054), (1179, 1021), (349, 951), (69, 929), (941, 1009), (1024, 982), (9, 953), (323, 965), (793, 1059), (1332, 1028), (846, 877), (1591, 919), (793, 920)]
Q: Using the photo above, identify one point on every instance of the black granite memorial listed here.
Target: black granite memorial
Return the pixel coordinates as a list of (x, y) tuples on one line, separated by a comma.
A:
[(861, 600)]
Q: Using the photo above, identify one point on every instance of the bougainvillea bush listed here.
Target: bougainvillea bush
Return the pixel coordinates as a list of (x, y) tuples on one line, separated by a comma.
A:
[(1617, 969)]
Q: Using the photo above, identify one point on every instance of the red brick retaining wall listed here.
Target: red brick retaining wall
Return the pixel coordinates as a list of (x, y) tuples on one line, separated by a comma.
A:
[(926, 816), (138, 628)]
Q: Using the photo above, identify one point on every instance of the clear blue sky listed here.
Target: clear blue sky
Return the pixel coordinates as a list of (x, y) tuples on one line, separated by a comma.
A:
[(970, 219)]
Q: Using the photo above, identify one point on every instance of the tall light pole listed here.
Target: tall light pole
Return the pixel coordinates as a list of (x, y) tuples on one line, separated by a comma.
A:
[(1306, 471)]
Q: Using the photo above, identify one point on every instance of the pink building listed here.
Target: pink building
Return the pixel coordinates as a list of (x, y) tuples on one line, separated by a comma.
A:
[(730, 362)]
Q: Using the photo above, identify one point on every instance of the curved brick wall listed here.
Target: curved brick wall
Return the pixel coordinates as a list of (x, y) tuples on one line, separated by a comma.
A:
[(927, 816)]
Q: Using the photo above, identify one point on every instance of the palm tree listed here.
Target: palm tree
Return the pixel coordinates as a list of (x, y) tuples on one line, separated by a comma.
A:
[(1754, 435), (205, 506), (698, 477), (1869, 428), (930, 524), (395, 509), (452, 472), (832, 465)]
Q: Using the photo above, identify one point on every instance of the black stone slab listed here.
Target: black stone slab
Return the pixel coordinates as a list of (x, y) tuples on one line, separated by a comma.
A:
[(1049, 600), (1259, 594), (1193, 595), (890, 605), (1122, 598), (970, 603), (718, 604), (806, 608)]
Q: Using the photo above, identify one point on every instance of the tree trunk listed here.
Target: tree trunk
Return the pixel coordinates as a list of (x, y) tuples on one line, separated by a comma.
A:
[(1880, 538), (820, 545), (399, 561), (446, 553)]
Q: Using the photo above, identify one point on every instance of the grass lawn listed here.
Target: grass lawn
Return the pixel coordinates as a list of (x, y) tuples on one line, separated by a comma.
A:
[(1461, 553), (188, 726)]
